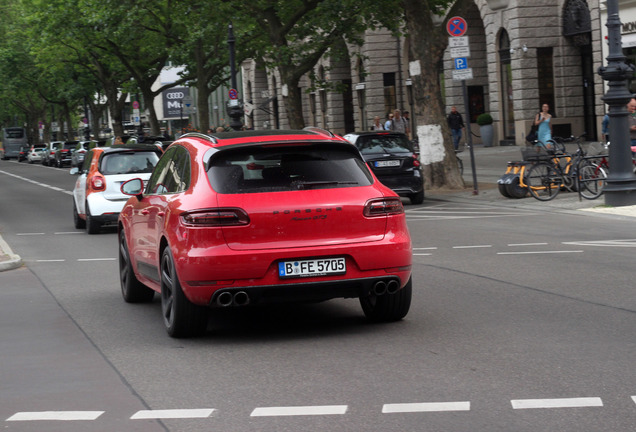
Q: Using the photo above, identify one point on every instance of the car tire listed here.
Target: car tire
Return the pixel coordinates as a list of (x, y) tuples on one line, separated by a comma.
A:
[(92, 226), (417, 198), (388, 307), (77, 221), (132, 290), (181, 317)]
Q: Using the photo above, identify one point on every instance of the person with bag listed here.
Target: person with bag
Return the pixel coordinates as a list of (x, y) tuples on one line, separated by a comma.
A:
[(544, 126)]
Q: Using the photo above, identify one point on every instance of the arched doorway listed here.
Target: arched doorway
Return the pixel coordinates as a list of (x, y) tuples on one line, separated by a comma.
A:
[(505, 89)]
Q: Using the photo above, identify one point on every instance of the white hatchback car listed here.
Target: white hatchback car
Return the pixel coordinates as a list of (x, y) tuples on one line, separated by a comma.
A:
[(97, 196)]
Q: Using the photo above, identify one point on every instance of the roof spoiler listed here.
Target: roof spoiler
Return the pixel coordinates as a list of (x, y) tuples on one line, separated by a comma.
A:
[(319, 131)]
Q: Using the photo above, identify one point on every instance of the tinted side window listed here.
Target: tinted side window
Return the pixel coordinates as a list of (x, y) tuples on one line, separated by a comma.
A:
[(87, 161), (172, 174)]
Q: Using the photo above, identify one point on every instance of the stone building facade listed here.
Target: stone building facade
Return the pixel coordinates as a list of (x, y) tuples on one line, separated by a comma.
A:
[(522, 54)]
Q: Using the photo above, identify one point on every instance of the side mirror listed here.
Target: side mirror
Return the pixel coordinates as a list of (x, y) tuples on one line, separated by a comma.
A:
[(74, 171), (133, 187)]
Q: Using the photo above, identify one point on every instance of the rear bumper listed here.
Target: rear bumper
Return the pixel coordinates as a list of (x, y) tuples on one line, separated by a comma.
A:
[(104, 210), (301, 292), (403, 185)]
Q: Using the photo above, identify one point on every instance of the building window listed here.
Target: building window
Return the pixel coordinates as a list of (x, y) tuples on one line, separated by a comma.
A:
[(545, 71), (390, 102), (505, 70)]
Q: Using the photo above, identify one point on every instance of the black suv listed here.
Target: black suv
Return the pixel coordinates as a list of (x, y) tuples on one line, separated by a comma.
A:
[(64, 153), (394, 161)]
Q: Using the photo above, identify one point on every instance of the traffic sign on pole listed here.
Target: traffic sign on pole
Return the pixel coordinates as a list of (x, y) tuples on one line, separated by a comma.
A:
[(456, 26)]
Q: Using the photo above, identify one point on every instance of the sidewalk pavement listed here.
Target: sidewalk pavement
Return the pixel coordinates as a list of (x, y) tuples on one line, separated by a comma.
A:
[(490, 165)]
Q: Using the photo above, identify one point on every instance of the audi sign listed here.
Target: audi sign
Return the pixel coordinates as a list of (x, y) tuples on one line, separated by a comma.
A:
[(172, 101)]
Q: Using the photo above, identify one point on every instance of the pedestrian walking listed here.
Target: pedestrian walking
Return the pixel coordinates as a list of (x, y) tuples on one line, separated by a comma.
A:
[(377, 124), (456, 125), (399, 123), (387, 123)]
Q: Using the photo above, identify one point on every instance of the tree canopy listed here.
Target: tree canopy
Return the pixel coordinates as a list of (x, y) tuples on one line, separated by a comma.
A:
[(58, 56)]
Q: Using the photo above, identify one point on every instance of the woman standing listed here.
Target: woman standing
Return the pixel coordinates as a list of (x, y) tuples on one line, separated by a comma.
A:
[(542, 120)]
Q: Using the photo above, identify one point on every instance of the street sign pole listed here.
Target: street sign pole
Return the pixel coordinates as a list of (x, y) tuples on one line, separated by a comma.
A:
[(469, 139), (460, 50)]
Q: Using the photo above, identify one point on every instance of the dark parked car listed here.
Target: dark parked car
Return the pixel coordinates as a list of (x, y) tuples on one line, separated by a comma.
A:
[(64, 153), (394, 161), (248, 218)]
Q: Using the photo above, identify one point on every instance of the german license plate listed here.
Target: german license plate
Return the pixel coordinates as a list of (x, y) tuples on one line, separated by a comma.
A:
[(388, 163), (311, 268)]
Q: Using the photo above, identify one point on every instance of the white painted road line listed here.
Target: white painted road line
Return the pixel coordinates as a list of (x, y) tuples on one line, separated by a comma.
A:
[(539, 252), (425, 407), (49, 260), (472, 247), (96, 259), (37, 183), (557, 403), (299, 410), (29, 234), (634, 399), (69, 233), (172, 414), (56, 415), (527, 244)]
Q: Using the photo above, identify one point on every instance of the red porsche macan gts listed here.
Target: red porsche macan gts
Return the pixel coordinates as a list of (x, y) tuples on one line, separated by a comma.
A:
[(245, 218)]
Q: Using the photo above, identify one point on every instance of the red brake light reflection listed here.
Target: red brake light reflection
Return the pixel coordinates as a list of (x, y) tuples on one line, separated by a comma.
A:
[(215, 218), (383, 207), (98, 183)]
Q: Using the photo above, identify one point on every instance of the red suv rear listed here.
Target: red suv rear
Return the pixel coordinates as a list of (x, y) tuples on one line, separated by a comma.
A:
[(249, 218)]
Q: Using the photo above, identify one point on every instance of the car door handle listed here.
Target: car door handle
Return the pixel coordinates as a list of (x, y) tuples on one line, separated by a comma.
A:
[(144, 212)]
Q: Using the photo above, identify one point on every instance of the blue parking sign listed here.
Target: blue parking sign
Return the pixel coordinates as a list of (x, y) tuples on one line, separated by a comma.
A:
[(461, 63)]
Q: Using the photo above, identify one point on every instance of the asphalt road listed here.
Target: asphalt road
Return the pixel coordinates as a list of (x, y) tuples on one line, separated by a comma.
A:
[(523, 319)]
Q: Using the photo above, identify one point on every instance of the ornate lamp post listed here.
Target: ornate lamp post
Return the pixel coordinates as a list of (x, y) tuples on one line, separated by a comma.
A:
[(234, 106), (620, 189)]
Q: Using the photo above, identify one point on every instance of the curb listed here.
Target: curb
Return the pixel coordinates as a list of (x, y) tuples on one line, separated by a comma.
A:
[(14, 260)]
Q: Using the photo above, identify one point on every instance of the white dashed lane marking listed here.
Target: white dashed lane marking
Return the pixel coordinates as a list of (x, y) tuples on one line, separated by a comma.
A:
[(299, 411), (56, 415), (425, 407), (172, 414), (316, 410), (557, 403)]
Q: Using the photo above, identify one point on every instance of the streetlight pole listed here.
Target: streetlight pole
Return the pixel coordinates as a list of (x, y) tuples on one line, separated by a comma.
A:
[(620, 189), (234, 109)]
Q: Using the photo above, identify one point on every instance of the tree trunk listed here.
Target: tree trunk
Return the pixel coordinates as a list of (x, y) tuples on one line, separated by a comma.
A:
[(293, 100), (426, 48)]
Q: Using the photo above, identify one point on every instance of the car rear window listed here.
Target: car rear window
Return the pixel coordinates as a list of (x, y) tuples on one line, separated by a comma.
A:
[(391, 144), (287, 168), (129, 162)]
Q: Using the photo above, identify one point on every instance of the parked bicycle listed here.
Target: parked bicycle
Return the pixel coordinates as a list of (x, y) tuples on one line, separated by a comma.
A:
[(554, 169)]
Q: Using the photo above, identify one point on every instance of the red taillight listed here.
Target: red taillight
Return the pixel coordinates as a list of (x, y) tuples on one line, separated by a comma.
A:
[(98, 183), (416, 161), (383, 207), (215, 217)]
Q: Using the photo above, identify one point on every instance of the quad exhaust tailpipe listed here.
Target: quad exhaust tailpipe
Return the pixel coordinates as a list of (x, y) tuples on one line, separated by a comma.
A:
[(239, 298)]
